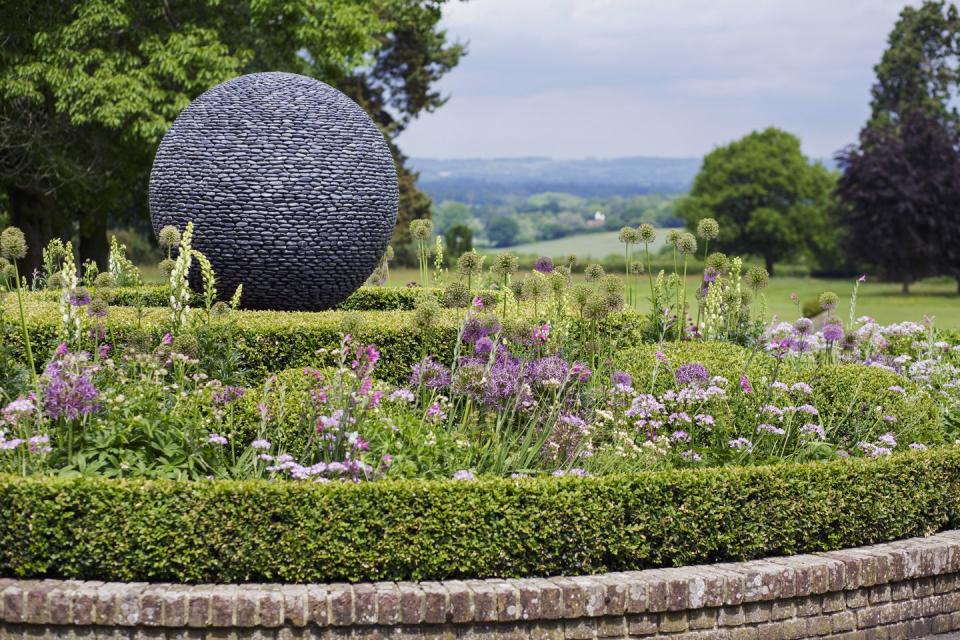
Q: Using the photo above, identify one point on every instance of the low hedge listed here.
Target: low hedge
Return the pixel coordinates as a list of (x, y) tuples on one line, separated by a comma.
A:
[(720, 358), (270, 341), (264, 531), (363, 299)]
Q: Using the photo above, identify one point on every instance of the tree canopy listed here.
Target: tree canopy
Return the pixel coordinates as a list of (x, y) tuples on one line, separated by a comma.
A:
[(88, 89), (769, 199)]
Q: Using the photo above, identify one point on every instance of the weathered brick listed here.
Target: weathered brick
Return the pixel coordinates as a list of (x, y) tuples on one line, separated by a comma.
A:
[(508, 600), (756, 612), (127, 612), (388, 603), (174, 600), (880, 593), (615, 593), (612, 627), (85, 604), (819, 626), (412, 603), (364, 604), (270, 606), (580, 629), (843, 621), (435, 602), (782, 609), (151, 605), (901, 591), (793, 629), (932, 605), (809, 606), (867, 617), (573, 598), (594, 595), (673, 621), (705, 588), (36, 611), (702, 618), (460, 602), (60, 604), (857, 598), (922, 587), (545, 630), (485, 602), (340, 597), (731, 616), (642, 624), (223, 600), (318, 605)]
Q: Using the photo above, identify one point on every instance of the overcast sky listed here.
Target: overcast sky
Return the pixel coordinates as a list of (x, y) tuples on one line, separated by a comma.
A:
[(604, 78)]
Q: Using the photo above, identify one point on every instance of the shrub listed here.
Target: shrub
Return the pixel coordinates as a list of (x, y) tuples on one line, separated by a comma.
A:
[(720, 358), (363, 299), (262, 531), (855, 401)]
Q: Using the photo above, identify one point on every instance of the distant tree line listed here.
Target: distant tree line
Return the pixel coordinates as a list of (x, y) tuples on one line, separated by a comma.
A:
[(894, 207)]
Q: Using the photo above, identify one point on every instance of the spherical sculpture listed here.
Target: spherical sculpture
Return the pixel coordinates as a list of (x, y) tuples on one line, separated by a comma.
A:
[(290, 186)]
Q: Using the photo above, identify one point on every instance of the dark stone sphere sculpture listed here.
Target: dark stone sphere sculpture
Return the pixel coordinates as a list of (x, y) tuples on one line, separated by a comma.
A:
[(291, 188)]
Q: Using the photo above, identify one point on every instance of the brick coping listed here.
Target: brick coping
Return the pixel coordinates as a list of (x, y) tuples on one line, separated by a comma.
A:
[(165, 605)]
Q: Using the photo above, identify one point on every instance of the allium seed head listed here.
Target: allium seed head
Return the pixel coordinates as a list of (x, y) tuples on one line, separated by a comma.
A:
[(708, 229), (166, 267), (594, 272), (421, 228), (687, 244), (829, 300), (757, 278), (673, 237), (470, 263), (169, 237), (504, 264), (628, 235), (719, 262), (13, 244), (456, 296), (646, 233), (104, 280)]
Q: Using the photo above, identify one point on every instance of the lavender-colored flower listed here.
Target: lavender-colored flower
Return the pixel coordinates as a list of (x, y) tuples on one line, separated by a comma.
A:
[(260, 444), (483, 346), (580, 473), (402, 394), (68, 393), (740, 443), (543, 265), (20, 405), (814, 430), (227, 395), (745, 385), (916, 446), (691, 456), (464, 474), (550, 370), (896, 389), (217, 439), (769, 428), (888, 439), (692, 375), (803, 326), (833, 331), (476, 328), (167, 339), (79, 298), (680, 436), (430, 374)]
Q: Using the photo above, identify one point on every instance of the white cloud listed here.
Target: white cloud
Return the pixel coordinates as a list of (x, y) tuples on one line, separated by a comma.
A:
[(653, 77)]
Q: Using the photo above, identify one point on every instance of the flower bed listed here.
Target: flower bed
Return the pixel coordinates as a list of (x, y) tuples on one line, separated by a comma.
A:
[(229, 531)]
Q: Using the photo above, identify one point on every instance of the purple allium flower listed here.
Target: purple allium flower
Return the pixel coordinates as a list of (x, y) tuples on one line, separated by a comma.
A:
[(260, 444), (79, 298), (710, 275), (62, 349), (476, 328), (888, 439), (167, 339), (550, 370), (68, 394), (814, 430), (803, 326), (464, 474), (541, 333), (833, 331), (692, 375), (543, 265), (227, 395), (661, 357), (430, 374), (402, 394), (483, 346), (680, 436), (769, 428), (621, 379), (745, 385), (217, 439)]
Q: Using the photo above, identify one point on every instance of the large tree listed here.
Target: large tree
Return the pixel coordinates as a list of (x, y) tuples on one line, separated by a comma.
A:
[(769, 199), (900, 189), (87, 89)]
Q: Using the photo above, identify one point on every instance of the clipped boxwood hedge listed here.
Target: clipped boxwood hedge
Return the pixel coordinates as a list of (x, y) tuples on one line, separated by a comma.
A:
[(270, 341), (363, 299), (720, 358), (416, 530)]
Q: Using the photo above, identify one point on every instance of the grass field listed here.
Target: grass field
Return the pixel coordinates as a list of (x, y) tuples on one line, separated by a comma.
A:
[(585, 245), (882, 300)]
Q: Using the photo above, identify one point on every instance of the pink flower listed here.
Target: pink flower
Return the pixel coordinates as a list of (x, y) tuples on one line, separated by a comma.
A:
[(661, 357), (167, 339), (541, 333), (745, 385), (862, 278), (62, 349), (580, 371), (478, 303)]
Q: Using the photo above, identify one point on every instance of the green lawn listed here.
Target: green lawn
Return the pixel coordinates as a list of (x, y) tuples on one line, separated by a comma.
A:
[(586, 245), (882, 300)]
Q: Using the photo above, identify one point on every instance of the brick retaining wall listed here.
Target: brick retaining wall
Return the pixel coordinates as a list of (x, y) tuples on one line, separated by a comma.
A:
[(904, 589)]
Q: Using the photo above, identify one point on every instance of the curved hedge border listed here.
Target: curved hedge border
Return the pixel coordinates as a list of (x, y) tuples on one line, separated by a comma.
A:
[(401, 530), (363, 299)]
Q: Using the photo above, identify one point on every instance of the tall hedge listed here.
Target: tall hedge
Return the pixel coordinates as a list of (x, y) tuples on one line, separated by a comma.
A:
[(395, 530)]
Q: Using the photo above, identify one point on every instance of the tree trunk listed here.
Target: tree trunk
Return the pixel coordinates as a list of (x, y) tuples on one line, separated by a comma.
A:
[(36, 215), (905, 288), (769, 263), (93, 239)]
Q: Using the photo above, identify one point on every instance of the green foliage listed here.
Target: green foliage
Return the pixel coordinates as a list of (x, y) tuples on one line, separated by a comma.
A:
[(730, 361), (227, 532), (502, 231), (768, 199), (855, 402), (459, 240)]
